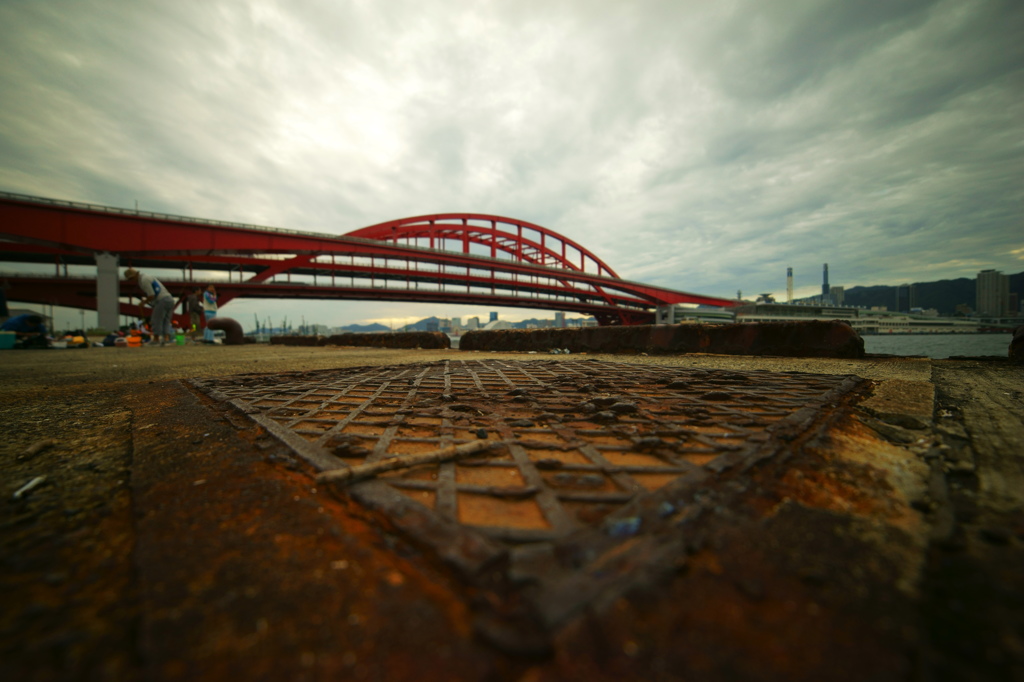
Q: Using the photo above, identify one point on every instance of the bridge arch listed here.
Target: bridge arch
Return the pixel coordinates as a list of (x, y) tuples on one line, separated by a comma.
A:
[(500, 235)]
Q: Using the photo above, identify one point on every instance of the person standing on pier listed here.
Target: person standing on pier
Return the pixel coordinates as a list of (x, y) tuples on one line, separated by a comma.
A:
[(210, 310), (163, 304), (194, 310)]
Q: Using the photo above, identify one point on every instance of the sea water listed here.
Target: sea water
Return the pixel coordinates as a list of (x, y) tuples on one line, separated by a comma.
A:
[(938, 345)]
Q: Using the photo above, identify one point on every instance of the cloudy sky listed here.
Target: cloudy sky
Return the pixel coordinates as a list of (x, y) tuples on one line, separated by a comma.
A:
[(702, 146)]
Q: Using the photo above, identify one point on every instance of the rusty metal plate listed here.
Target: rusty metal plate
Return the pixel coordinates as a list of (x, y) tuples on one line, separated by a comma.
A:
[(600, 479), (580, 438)]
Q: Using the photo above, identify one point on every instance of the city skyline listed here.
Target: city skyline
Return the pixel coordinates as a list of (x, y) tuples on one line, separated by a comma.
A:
[(698, 147)]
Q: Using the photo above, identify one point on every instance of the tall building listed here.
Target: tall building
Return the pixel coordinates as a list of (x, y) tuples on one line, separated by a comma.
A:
[(824, 283), (494, 316), (838, 295), (789, 285), (560, 320), (993, 293), (906, 297)]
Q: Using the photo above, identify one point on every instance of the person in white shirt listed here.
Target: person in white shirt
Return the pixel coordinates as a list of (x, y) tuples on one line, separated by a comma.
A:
[(163, 304), (209, 310)]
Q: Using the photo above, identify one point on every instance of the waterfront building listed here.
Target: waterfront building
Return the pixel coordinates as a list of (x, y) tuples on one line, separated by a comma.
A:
[(473, 323), (863, 321), (682, 314), (838, 295), (560, 320), (992, 294)]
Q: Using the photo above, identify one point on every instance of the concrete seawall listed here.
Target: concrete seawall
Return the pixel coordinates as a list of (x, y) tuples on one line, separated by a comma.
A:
[(786, 339), (426, 340)]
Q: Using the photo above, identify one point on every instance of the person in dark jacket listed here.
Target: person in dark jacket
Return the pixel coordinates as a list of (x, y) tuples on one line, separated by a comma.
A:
[(194, 310), (30, 330)]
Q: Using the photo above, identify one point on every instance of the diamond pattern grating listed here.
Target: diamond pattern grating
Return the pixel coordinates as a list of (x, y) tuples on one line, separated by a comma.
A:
[(579, 438)]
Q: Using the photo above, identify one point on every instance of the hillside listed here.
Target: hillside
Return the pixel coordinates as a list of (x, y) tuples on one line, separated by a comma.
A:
[(943, 295), (364, 328), (426, 324)]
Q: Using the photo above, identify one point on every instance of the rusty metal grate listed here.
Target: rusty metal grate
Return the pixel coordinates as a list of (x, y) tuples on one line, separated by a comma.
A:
[(581, 437)]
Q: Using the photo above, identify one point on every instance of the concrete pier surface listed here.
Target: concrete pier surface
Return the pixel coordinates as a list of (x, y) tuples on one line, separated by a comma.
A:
[(153, 529)]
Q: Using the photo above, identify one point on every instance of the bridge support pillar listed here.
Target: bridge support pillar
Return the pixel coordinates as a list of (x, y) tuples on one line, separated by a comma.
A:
[(108, 290)]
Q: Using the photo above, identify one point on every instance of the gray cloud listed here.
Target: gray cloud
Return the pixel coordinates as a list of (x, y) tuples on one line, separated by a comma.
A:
[(694, 145)]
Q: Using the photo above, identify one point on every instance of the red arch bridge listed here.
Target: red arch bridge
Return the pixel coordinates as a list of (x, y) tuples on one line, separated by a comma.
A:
[(465, 258)]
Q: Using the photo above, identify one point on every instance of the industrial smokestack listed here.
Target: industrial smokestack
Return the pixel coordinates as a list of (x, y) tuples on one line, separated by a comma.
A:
[(789, 285), (824, 284)]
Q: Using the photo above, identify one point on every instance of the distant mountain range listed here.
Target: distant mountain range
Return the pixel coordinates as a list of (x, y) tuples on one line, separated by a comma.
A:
[(426, 324), (357, 328), (421, 326), (433, 323), (943, 295)]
